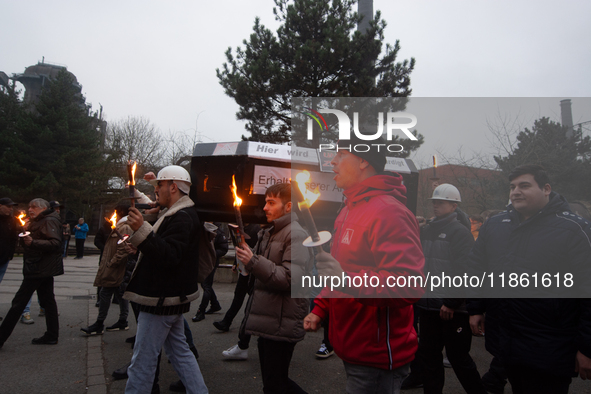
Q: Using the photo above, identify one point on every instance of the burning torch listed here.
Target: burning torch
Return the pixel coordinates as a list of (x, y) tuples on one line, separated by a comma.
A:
[(22, 220), (237, 204), (316, 239), (434, 180), (131, 174), (113, 223)]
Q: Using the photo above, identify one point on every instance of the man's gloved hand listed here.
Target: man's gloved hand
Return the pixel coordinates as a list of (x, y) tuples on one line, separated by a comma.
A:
[(327, 265)]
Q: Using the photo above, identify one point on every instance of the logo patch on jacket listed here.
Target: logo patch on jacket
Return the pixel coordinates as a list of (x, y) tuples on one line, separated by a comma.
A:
[(442, 235), (347, 237)]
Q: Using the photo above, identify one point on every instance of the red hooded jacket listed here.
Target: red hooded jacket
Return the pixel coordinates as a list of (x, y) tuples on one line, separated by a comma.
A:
[(375, 234)]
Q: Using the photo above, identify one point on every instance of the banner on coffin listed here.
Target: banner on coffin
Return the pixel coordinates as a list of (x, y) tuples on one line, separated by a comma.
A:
[(265, 176)]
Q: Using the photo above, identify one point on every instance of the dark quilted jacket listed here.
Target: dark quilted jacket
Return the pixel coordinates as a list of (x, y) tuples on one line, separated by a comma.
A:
[(446, 244), (542, 333)]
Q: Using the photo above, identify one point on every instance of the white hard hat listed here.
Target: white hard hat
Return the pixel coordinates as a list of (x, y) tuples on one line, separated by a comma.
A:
[(446, 192), (174, 173)]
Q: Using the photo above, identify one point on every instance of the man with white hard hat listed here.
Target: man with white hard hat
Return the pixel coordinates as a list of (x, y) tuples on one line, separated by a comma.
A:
[(164, 283), (444, 321)]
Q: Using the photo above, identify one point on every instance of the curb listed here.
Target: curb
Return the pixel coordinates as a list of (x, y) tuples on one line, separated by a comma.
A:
[(95, 366)]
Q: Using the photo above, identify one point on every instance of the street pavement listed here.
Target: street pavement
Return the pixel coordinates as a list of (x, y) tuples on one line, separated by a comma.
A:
[(80, 364)]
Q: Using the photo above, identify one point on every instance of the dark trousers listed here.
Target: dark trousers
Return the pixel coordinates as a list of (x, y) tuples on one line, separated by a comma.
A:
[(416, 368), (496, 377), (243, 337), (455, 335), (105, 297), (240, 292), (208, 293), (325, 325), (44, 287), (275, 357), (534, 381), (80, 247)]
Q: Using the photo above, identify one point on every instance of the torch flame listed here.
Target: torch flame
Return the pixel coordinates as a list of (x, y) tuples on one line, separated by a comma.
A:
[(309, 196), (113, 220), (434, 161), (20, 218), (237, 200), (132, 180)]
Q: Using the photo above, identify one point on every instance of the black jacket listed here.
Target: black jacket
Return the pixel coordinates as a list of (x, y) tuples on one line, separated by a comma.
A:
[(100, 239), (541, 333), (43, 257), (220, 243), (446, 244), (164, 281)]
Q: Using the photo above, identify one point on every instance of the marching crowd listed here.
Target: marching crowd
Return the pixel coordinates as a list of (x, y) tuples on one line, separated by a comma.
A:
[(389, 338)]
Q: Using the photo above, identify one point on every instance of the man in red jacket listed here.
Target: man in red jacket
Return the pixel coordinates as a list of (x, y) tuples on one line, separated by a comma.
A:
[(376, 241)]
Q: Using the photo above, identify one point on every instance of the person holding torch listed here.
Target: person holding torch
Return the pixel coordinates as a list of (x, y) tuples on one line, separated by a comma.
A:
[(371, 328), (42, 260), (271, 313), (164, 283), (110, 274)]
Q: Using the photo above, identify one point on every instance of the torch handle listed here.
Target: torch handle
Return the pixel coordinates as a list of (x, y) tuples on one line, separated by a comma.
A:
[(239, 223), (132, 195), (118, 233), (310, 223)]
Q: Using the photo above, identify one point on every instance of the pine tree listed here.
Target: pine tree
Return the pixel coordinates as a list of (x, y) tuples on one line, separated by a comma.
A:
[(316, 52), (54, 148), (13, 119)]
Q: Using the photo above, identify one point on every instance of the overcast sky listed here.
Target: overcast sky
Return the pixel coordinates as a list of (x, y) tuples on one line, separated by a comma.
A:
[(157, 59)]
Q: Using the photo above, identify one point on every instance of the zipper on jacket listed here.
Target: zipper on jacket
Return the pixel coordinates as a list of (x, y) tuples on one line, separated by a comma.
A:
[(379, 319), (338, 243), (388, 336)]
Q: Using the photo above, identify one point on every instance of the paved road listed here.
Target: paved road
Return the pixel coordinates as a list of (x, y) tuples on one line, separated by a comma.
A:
[(83, 365)]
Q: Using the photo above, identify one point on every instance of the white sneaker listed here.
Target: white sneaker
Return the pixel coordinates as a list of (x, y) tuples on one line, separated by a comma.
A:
[(26, 318), (235, 353), (324, 352)]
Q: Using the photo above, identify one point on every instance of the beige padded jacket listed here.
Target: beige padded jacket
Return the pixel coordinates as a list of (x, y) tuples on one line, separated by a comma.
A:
[(279, 256)]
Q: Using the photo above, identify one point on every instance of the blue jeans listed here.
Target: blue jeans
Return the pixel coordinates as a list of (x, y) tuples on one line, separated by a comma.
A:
[(364, 379), (28, 307), (154, 332), (66, 242), (188, 333)]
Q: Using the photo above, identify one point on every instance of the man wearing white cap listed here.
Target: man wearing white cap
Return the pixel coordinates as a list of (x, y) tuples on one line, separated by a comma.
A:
[(444, 321), (164, 283)]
